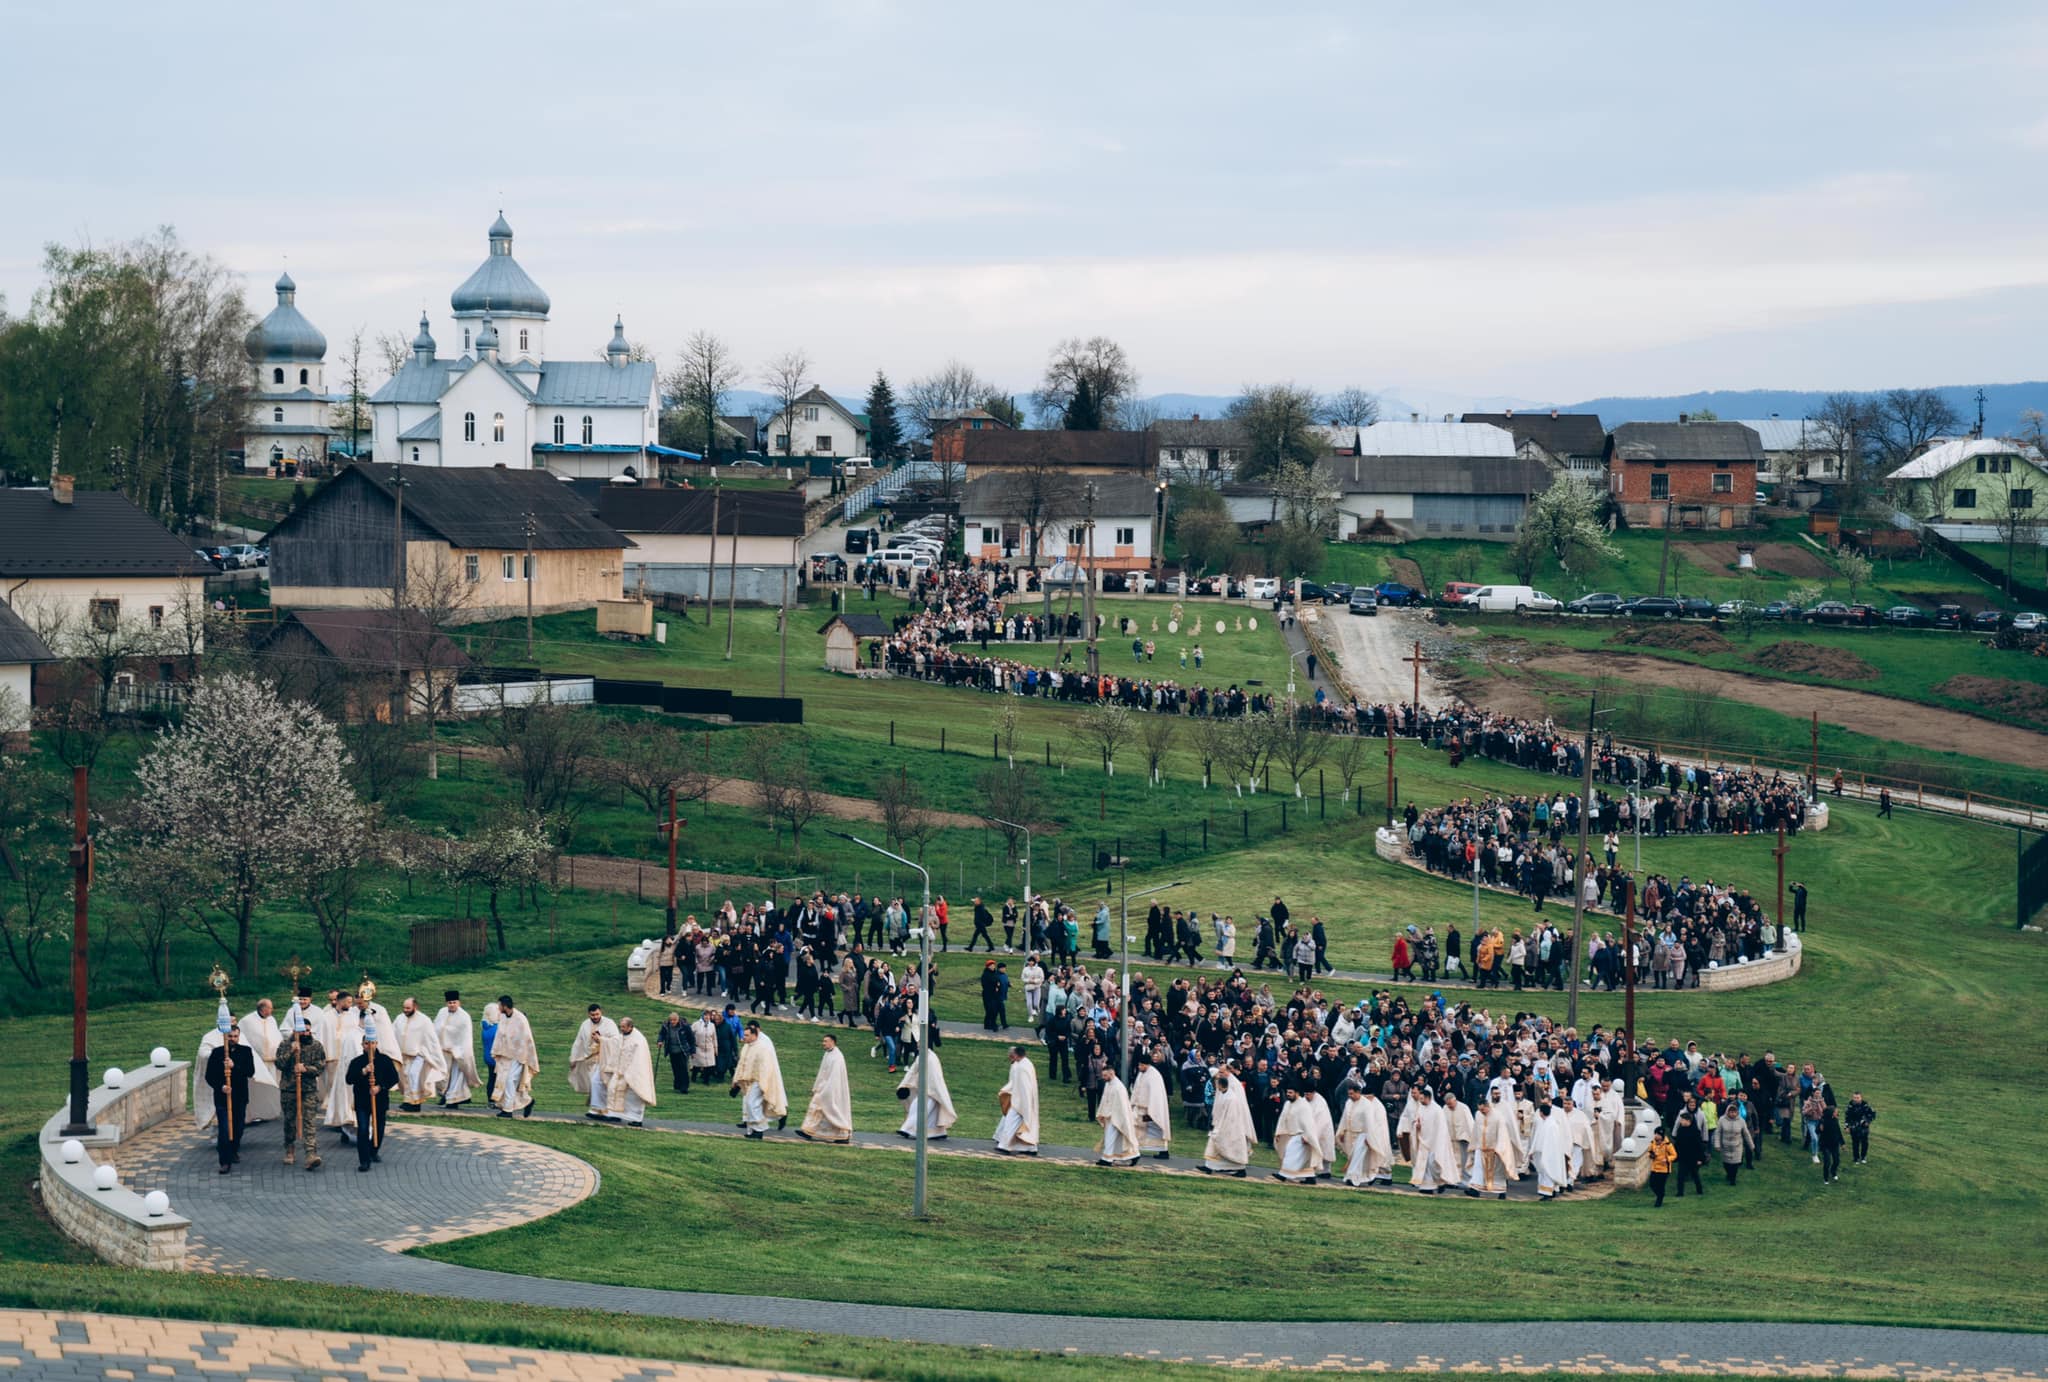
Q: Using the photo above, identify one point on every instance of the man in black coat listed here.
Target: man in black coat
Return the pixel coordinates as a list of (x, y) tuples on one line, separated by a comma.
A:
[(370, 1078), (229, 1068)]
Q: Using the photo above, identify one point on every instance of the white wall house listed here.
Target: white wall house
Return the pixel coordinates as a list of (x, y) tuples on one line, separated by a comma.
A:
[(1126, 524), (289, 410), (817, 425), (503, 402)]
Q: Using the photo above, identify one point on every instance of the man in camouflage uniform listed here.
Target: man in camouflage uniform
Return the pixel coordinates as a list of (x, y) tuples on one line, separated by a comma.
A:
[(300, 1063)]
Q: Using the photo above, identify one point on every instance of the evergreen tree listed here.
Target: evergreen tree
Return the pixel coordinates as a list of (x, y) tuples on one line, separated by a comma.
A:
[(1083, 414), (885, 429)]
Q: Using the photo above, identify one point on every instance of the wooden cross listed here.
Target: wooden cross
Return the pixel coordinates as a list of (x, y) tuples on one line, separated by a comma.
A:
[(1417, 659), (1779, 855)]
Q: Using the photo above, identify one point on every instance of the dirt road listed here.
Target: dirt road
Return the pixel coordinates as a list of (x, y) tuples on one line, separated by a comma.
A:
[(1882, 717), (1373, 652)]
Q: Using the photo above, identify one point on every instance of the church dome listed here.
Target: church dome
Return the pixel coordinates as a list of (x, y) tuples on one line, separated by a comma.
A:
[(499, 285), (286, 334)]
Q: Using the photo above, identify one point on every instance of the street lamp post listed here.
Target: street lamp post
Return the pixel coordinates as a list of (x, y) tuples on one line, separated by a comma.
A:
[(1124, 1024), (924, 1015), (1014, 825)]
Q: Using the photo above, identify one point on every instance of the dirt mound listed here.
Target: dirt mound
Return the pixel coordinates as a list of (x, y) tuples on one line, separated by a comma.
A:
[(1679, 638), (2020, 699), (1406, 572), (1813, 660), (1783, 558)]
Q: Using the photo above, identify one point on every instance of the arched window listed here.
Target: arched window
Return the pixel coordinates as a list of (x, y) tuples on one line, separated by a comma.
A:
[(497, 427), (277, 415), (415, 455), (465, 340), (277, 376), (304, 378), (589, 431), (277, 455), (469, 426), (522, 338), (558, 429)]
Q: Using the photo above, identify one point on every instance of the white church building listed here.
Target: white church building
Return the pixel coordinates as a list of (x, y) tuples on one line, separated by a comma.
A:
[(288, 412), (502, 401)]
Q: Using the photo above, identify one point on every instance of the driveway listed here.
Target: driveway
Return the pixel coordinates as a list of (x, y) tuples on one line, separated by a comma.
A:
[(1372, 651)]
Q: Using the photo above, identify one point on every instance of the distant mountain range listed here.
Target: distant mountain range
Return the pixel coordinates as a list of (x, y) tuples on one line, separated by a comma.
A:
[(2003, 404)]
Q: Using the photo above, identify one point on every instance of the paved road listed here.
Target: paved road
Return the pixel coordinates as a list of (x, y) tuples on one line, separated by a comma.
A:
[(44, 1346), (237, 1217), (1373, 652)]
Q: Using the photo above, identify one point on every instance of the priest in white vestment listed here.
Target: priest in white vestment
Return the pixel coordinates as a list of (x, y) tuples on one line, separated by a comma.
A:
[(458, 1050), (1579, 1160), (1362, 1138), (1017, 1131), (261, 1032), (758, 1082), (1294, 1141), (1609, 1116), (830, 1115), (1323, 1129), (517, 1062), (629, 1087), (939, 1113), (1549, 1152), (416, 1046), (1496, 1139), (346, 1021), (1150, 1111), (1458, 1120), (592, 1058), (1432, 1168), (1229, 1148), (1118, 1145)]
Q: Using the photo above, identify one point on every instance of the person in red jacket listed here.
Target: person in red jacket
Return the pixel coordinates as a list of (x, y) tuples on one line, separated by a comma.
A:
[(1404, 960), (939, 920)]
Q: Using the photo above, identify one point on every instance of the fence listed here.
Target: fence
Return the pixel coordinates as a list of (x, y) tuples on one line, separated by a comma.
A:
[(700, 700), (893, 484), (437, 942), (1984, 570), (477, 698)]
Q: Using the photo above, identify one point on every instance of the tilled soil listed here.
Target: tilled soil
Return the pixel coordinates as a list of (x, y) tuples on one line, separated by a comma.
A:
[(1783, 558), (1682, 638), (1813, 660), (2008, 697)]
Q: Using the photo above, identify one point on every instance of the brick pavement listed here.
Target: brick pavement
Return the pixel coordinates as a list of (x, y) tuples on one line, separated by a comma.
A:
[(459, 1176), (45, 1346)]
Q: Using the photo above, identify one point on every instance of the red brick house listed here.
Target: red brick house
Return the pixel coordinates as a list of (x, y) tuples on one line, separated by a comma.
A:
[(1689, 474)]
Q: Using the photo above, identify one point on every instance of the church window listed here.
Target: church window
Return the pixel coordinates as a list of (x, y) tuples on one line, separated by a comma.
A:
[(469, 426), (558, 429), (277, 415), (277, 455), (304, 377), (465, 340), (277, 376), (415, 455), (522, 338), (497, 427), (589, 430)]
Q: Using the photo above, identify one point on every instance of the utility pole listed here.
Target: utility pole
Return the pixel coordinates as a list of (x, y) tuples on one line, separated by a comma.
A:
[(710, 558), (672, 823), (1779, 855), (398, 706), (1628, 963), (1088, 595), (81, 1124), (1814, 737), (529, 586), (1571, 1018), (782, 685), (1390, 772), (732, 576), (1664, 561)]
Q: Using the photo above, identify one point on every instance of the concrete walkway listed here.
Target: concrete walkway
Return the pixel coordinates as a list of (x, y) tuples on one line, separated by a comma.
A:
[(240, 1217)]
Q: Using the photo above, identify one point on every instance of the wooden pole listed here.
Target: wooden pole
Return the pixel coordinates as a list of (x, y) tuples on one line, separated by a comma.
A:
[(671, 919), (81, 1124), (1579, 864)]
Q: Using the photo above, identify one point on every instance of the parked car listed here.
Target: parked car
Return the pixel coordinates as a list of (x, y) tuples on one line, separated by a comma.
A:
[(1599, 602), (828, 566), (246, 555), (1394, 593), (1695, 607), (744, 464), (1829, 612), (1264, 588), (1987, 619), (1948, 616), (1364, 600), (1510, 599), (1908, 616), (1652, 607), (1730, 609), (2028, 622), (1336, 593), (1864, 614), (1311, 591), (1456, 592), (1781, 609), (859, 540)]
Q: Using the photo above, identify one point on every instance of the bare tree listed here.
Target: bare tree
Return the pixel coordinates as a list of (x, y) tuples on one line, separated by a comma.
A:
[(1040, 495), (1352, 407), (787, 378), (1295, 745), (1246, 747), (1106, 728), (548, 751), (803, 801), (511, 855), (948, 390), (1842, 427), (901, 805), (393, 348), (1097, 362), (1349, 760), (352, 414), (1211, 738), (762, 754), (649, 759), (425, 665), (1156, 734), (1008, 720), (1906, 420), (1010, 798), (34, 872), (705, 373)]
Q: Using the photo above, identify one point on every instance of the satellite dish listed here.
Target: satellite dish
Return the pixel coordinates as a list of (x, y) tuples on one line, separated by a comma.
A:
[(1173, 626)]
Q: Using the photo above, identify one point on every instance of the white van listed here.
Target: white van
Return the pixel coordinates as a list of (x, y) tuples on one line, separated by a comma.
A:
[(1511, 599)]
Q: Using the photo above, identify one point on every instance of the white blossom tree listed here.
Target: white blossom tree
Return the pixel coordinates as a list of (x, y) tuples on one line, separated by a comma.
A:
[(512, 855), (252, 790)]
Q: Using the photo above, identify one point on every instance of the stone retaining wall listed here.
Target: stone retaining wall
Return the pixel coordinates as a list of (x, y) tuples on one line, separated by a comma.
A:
[(1392, 845), (114, 1223)]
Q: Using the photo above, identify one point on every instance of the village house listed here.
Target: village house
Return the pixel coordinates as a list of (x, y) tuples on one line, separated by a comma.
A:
[(758, 547), (1572, 444), (817, 424), (1795, 449), (1968, 480), (1684, 474), (1199, 450), (1079, 453), (356, 663), (847, 637), (1395, 497), (87, 567), (22, 650), (998, 510), (478, 536)]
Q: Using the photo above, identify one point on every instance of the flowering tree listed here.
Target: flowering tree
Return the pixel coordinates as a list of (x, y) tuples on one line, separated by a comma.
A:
[(253, 791), (513, 855)]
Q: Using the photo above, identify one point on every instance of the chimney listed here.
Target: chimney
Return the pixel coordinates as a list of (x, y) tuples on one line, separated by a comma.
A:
[(1684, 418), (1553, 413), (60, 489), (1197, 417), (1510, 412), (1415, 417)]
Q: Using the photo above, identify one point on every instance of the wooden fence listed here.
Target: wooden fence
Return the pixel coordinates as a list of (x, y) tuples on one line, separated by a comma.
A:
[(436, 942)]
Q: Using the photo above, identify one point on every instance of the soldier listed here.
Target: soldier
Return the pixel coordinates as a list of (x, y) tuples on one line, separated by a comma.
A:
[(301, 1061)]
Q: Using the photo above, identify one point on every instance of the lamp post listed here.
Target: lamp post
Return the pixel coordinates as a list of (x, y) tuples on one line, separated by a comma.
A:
[(1014, 825), (1124, 1022), (924, 1014), (81, 1124)]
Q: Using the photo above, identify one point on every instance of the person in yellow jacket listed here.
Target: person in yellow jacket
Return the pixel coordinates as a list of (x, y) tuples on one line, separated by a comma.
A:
[(1663, 1156)]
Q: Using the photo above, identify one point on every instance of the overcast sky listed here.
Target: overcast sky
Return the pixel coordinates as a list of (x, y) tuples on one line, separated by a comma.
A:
[(1547, 203)]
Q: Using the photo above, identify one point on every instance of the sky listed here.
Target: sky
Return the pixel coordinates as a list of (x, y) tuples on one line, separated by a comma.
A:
[(1461, 203)]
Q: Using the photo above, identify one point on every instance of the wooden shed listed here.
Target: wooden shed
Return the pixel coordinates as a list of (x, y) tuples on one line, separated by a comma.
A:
[(844, 635)]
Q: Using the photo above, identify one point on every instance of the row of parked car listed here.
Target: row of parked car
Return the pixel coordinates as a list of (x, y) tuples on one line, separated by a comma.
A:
[(1518, 599), (240, 557)]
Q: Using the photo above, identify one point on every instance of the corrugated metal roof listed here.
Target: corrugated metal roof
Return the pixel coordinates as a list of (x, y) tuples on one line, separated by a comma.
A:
[(18, 642), (594, 384), (1199, 431), (1510, 474), (1785, 433), (417, 381), (1726, 442), (1116, 496), (1434, 439), (427, 429), (1561, 434), (476, 506), (1943, 458), (99, 533)]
